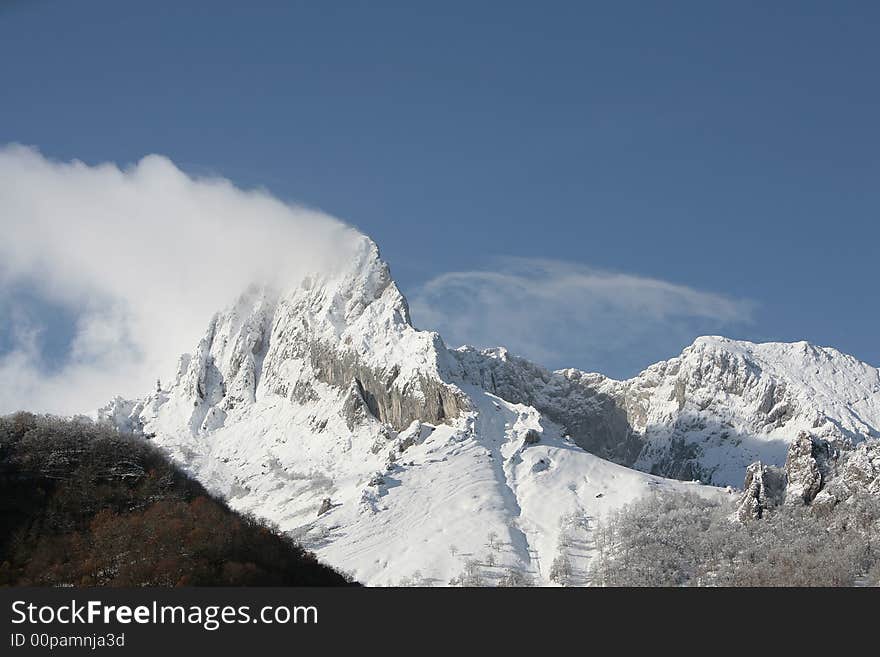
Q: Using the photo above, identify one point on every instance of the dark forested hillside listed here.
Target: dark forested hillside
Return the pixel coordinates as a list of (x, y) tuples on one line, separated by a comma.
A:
[(81, 504)]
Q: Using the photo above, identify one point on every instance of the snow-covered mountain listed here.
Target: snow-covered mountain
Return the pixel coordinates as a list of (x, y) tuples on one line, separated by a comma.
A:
[(321, 408), (706, 414)]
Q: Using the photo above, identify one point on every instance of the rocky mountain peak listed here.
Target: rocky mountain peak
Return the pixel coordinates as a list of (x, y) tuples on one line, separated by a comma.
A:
[(705, 414), (346, 326), (323, 390)]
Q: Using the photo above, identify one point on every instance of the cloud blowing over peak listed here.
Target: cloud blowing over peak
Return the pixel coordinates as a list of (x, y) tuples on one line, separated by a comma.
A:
[(107, 274), (138, 259)]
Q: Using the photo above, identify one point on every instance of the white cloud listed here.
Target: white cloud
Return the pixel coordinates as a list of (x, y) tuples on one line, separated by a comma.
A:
[(565, 315), (142, 257)]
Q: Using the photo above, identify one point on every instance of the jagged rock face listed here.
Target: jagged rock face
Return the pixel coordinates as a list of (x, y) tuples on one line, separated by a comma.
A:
[(422, 398), (222, 373), (596, 420), (704, 415), (355, 409), (856, 470), (764, 488), (807, 463), (349, 329), (815, 474)]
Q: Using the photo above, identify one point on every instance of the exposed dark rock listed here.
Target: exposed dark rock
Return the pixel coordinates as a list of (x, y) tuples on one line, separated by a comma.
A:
[(597, 422), (541, 465), (355, 409), (408, 442), (326, 505), (677, 459), (532, 437), (426, 399)]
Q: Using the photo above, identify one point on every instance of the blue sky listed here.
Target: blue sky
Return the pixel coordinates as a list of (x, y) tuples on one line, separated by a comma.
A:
[(726, 148)]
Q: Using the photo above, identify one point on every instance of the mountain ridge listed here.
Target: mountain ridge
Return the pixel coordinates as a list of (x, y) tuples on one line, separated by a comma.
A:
[(322, 408)]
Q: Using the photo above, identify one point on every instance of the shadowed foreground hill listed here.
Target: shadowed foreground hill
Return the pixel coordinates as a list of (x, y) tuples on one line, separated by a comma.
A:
[(83, 505)]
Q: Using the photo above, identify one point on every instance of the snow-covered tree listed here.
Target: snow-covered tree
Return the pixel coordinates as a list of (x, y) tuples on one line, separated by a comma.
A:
[(515, 577), (561, 571)]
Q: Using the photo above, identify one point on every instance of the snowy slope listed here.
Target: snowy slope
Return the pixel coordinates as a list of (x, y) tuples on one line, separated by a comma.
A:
[(432, 509), (439, 462), (441, 504)]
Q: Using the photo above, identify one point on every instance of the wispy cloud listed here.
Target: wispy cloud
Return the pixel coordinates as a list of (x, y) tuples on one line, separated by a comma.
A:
[(139, 258), (566, 315)]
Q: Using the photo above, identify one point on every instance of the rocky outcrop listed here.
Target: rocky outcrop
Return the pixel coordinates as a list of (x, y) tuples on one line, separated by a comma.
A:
[(597, 420), (809, 461), (532, 437), (856, 471), (355, 409), (705, 414), (764, 488), (397, 404), (816, 474), (123, 414)]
